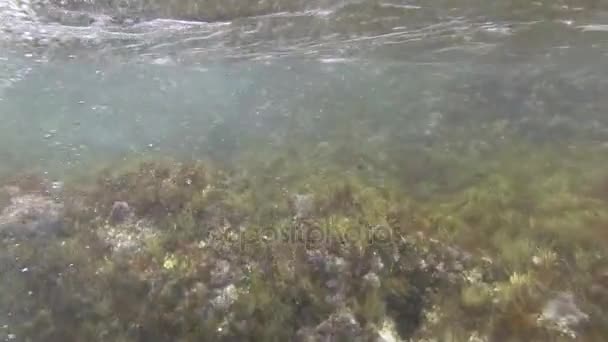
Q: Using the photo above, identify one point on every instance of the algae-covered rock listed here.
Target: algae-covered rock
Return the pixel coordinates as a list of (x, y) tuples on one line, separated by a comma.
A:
[(222, 273), (371, 279), (129, 236), (31, 214), (225, 297), (180, 251), (303, 205), (120, 212), (339, 326), (562, 314)]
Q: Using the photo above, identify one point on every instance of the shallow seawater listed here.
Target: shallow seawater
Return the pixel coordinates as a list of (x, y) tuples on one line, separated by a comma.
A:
[(303, 171)]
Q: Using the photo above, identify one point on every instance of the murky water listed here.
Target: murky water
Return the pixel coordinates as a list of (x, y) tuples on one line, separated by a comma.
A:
[(486, 122), (68, 76)]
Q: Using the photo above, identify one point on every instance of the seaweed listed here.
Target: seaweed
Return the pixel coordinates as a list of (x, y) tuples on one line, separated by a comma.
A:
[(300, 245)]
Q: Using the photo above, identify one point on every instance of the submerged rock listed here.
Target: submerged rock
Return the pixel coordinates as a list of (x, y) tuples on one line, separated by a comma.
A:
[(562, 313), (31, 214), (336, 265), (128, 237), (388, 333), (225, 297), (120, 212), (340, 326), (372, 280), (124, 232), (376, 263), (220, 275), (303, 205)]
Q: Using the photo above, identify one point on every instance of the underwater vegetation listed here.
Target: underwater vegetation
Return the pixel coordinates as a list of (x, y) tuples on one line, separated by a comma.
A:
[(503, 243)]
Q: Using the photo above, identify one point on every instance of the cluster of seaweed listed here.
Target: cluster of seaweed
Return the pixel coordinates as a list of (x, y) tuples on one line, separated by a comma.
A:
[(319, 244)]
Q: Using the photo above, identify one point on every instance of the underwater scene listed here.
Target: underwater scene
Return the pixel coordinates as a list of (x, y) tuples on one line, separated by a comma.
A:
[(304, 170)]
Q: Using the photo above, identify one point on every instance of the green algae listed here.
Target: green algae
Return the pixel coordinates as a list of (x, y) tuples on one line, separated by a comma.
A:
[(475, 251)]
